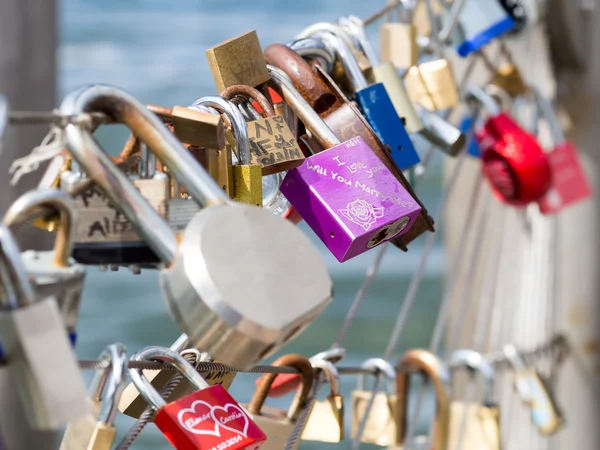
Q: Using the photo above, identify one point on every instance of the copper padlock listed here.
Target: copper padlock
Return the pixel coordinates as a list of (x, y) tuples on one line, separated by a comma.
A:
[(345, 120)]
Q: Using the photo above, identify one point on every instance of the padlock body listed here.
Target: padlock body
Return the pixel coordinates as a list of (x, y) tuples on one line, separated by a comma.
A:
[(350, 199), (432, 85), (399, 44), (208, 419), (480, 23), (247, 180), (326, 421), (482, 430), (383, 427), (43, 365), (513, 161), (387, 74), (510, 79), (276, 426), (544, 412)]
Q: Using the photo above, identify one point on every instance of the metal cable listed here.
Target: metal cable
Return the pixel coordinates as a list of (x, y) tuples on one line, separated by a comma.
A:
[(57, 119)]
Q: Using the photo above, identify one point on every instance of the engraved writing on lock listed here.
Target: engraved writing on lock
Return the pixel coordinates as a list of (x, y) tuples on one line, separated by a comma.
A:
[(271, 141)]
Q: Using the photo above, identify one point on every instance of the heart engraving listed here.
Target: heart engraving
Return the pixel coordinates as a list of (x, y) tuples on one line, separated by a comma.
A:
[(199, 414), (231, 417)]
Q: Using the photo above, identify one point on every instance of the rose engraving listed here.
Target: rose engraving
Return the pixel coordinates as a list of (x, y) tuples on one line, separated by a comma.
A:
[(362, 213)]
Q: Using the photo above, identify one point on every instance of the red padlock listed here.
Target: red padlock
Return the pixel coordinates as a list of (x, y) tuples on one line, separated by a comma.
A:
[(514, 162), (207, 419)]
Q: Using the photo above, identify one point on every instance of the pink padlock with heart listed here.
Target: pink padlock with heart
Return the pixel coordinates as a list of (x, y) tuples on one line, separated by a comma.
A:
[(207, 419)]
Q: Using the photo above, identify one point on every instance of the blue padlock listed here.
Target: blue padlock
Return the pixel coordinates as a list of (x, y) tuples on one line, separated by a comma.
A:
[(482, 21), (465, 126), (375, 104)]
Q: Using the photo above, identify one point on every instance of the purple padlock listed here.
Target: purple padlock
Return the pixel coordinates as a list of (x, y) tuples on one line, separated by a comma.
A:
[(350, 199)]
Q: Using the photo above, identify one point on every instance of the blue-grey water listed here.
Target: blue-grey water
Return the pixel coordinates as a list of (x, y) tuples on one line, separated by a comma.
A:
[(155, 50)]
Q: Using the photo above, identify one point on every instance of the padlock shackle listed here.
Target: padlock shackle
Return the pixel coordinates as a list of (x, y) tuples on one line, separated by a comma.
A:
[(346, 58), (4, 110), (262, 391), (332, 355), (249, 93), (33, 200), (356, 28), (475, 362), (317, 126), (378, 366), (440, 132), (238, 123), (164, 354), (330, 28), (549, 113), (18, 290), (486, 100), (330, 372), (430, 364), (114, 382), (98, 165), (311, 48)]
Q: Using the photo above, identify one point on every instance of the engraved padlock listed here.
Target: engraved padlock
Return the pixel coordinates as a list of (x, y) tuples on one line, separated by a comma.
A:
[(232, 261), (278, 424), (375, 207), (482, 419), (326, 420), (430, 365), (36, 347), (382, 426), (205, 419), (53, 273), (513, 161)]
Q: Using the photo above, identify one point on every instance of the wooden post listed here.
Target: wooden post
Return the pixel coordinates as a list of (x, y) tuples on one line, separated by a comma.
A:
[(28, 77)]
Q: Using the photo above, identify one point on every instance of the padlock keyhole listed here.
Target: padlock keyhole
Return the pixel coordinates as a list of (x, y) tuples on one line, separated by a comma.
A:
[(332, 235)]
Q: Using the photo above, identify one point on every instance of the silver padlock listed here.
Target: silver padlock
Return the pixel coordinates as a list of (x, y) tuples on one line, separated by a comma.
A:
[(53, 273), (40, 358), (240, 282)]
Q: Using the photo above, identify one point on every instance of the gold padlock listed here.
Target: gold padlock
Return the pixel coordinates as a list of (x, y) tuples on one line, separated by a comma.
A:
[(238, 60), (398, 40), (420, 17), (481, 421), (278, 424), (326, 420), (430, 364), (509, 78), (432, 85), (382, 426)]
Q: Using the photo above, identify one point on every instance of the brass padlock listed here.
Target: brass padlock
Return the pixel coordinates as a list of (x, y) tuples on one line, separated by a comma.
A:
[(238, 60), (481, 420), (247, 177), (326, 420), (431, 365), (273, 146), (278, 424), (420, 16), (432, 85), (509, 78), (398, 41), (382, 426)]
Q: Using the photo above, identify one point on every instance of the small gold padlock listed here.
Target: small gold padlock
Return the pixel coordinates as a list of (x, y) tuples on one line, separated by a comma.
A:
[(481, 422), (420, 18), (278, 424), (432, 85), (382, 426), (430, 364), (398, 40), (326, 420), (509, 78)]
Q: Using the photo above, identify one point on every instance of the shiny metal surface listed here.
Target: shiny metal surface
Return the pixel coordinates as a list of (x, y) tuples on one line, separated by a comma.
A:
[(356, 28), (486, 100), (115, 382), (477, 363), (546, 108), (60, 201), (300, 106), (440, 132), (316, 49), (381, 366), (98, 165), (18, 291), (331, 374), (328, 27)]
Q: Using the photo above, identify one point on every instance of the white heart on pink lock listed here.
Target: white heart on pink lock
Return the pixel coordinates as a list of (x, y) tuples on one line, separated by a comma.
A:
[(226, 412), (193, 413)]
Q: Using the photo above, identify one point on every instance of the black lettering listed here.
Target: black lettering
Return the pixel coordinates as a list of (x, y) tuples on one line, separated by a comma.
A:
[(96, 226), (278, 123), (258, 127), (256, 149)]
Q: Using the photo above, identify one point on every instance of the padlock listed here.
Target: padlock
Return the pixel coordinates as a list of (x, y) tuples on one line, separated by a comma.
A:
[(326, 420), (570, 183), (53, 273), (398, 42), (133, 404), (40, 358), (278, 424), (420, 15), (272, 144), (482, 430), (429, 364), (506, 75), (441, 133), (238, 60), (513, 161), (480, 22), (382, 426), (386, 74), (346, 223), (316, 50), (432, 85), (222, 312), (518, 12), (247, 175), (205, 419), (346, 122), (79, 433), (534, 393), (375, 104), (287, 382)]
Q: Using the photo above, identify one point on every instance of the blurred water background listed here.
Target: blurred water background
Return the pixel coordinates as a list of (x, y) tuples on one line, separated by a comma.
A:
[(155, 50)]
